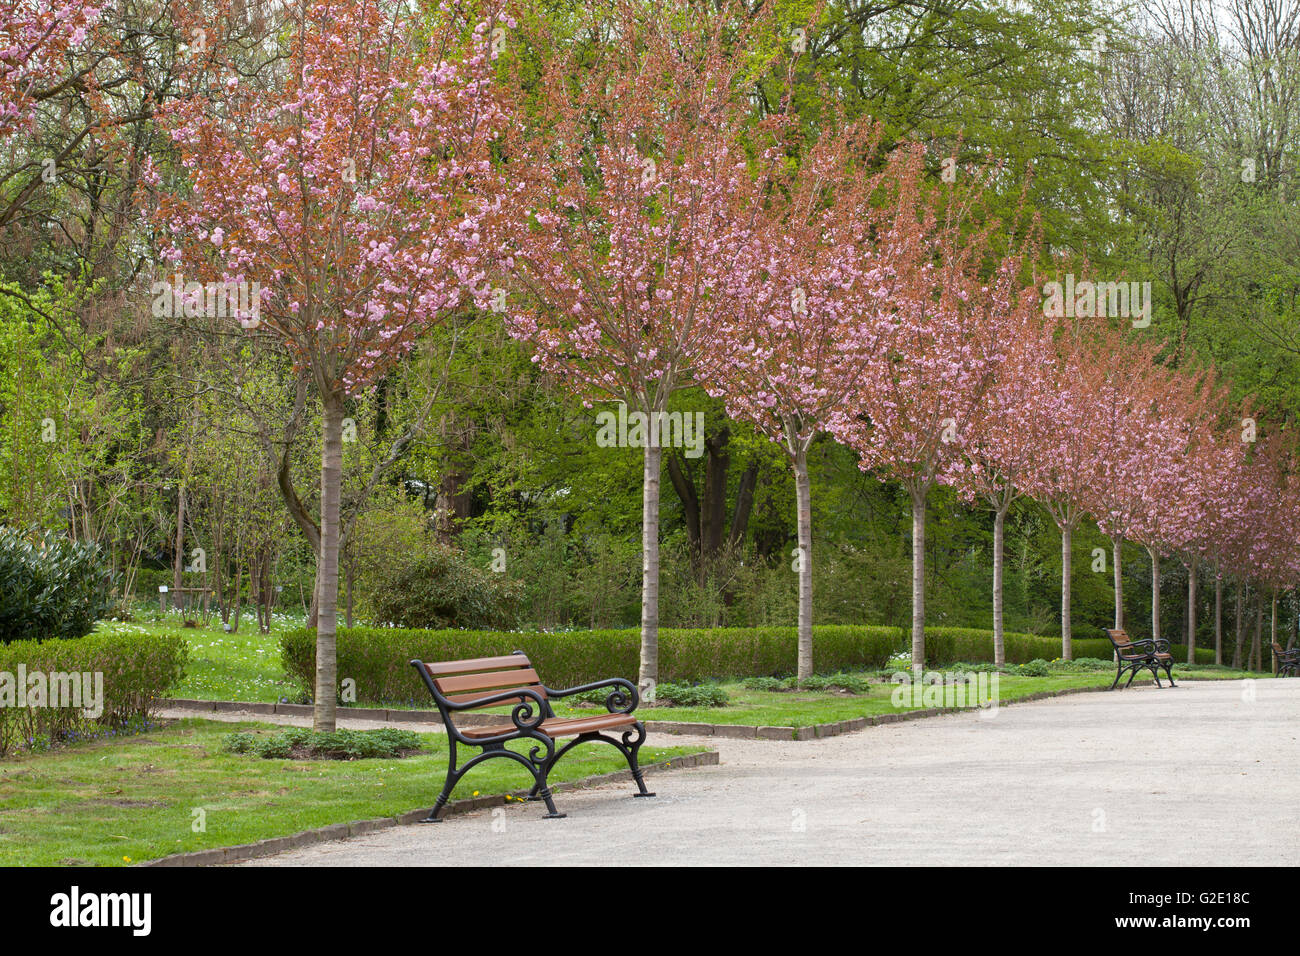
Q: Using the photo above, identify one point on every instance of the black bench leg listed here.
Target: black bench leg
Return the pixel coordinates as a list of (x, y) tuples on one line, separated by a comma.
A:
[(552, 813), (1170, 674), (442, 799), (1119, 672), (632, 749)]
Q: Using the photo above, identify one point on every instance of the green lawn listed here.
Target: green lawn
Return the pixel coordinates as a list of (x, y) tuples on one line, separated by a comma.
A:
[(243, 666), (805, 708), (132, 799)]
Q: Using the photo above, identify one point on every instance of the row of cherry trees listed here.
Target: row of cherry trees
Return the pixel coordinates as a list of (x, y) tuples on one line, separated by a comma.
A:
[(849, 294), (375, 168)]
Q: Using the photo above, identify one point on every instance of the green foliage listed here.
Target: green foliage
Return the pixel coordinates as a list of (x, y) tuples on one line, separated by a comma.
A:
[(378, 658), (50, 587), (437, 588), (850, 683), (691, 695), (137, 669), (1084, 664), (299, 743), (1035, 668)]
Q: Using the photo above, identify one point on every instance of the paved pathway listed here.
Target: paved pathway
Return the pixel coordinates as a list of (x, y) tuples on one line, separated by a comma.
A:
[(1208, 773)]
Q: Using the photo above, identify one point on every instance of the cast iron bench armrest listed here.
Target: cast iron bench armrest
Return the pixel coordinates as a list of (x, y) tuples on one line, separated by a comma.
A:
[(1137, 645), (617, 702)]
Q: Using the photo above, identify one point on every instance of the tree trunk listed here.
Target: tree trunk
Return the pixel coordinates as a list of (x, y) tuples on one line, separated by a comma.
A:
[(918, 581), (1067, 642), (313, 610), (1155, 594), (178, 561), (803, 510), (1191, 610), (1218, 617), (1295, 627), (1241, 634), (266, 595), (239, 584), (999, 539), (1259, 630), (1273, 635), (1117, 558), (331, 481), (649, 669)]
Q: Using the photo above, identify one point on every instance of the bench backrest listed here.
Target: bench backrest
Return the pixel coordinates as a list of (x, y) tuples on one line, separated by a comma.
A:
[(1119, 637), (1278, 649), (467, 681)]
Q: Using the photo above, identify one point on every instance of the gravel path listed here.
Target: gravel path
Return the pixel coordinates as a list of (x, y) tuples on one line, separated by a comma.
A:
[(1208, 773)]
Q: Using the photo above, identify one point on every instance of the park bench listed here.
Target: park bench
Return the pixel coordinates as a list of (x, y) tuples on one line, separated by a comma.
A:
[(458, 686), (1132, 656), (1287, 661)]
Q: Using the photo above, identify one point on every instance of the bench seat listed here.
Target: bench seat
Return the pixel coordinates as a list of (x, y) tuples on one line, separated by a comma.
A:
[(558, 726)]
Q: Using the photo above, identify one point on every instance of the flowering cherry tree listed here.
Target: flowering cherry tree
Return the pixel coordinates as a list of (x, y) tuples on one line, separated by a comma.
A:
[(952, 329), (819, 289), (1064, 428), (1000, 445), (348, 188), (1127, 434), (629, 206), (35, 39)]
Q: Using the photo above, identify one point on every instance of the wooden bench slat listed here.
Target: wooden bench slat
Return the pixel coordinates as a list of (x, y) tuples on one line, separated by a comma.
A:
[(485, 694), (447, 668), (560, 726), (464, 682)]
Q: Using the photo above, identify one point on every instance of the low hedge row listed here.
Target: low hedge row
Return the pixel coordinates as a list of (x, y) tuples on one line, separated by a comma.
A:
[(136, 669), (377, 659), (947, 645)]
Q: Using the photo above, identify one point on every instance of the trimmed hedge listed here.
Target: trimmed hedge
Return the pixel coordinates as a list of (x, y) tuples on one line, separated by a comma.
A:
[(137, 669), (948, 645), (377, 659)]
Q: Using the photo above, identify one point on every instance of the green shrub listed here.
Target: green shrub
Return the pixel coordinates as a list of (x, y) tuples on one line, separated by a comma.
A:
[(377, 659), (299, 743), (763, 683), (1084, 664), (847, 682), (137, 669), (50, 587), (1035, 668), (437, 588), (691, 695)]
